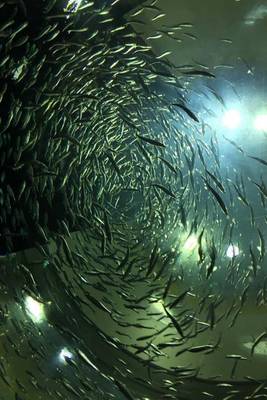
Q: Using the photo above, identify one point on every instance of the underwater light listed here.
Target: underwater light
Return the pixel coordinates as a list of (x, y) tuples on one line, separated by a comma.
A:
[(260, 349), (231, 119), (261, 122), (34, 309), (190, 243), (232, 251), (64, 353), (158, 305)]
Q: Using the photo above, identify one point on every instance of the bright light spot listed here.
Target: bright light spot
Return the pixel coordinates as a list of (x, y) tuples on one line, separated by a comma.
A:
[(64, 353), (157, 307), (190, 243), (261, 122), (260, 349), (232, 251), (34, 309), (231, 119)]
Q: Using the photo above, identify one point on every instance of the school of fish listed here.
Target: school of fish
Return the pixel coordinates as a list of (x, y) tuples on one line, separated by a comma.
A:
[(109, 173)]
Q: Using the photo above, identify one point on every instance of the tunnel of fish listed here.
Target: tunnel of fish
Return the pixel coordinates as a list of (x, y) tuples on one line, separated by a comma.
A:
[(132, 253)]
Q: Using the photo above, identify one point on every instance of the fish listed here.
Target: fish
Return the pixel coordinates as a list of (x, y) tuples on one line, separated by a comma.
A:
[(129, 268), (153, 37), (124, 261), (199, 72), (215, 180), (229, 41), (150, 141), (190, 35), (201, 255), (217, 197), (158, 17), (213, 255), (164, 189), (165, 54), (208, 348), (153, 259), (167, 287), (244, 296), (187, 111), (234, 367), (237, 313), (107, 227), (123, 389), (259, 338), (261, 187), (253, 260), (201, 156), (240, 195), (179, 299), (201, 348), (262, 244), (84, 358), (169, 165), (174, 322), (211, 315), (233, 143), (70, 388), (260, 160), (165, 263), (112, 168)]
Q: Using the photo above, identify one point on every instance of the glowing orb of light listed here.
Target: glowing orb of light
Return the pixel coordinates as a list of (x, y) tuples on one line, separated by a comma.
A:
[(190, 243), (231, 119), (232, 251), (34, 309), (261, 123), (64, 353)]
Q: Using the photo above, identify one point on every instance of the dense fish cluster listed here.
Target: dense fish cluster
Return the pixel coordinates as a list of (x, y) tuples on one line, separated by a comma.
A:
[(121, 188)]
